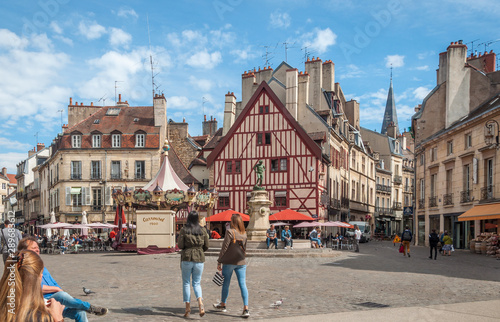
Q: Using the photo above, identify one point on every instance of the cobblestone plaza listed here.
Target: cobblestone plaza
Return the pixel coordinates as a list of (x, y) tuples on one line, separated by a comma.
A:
[(148, 288)]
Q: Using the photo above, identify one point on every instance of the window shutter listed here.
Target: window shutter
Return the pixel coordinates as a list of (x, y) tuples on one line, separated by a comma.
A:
[(88, 196), (68, 196), (109, 201)]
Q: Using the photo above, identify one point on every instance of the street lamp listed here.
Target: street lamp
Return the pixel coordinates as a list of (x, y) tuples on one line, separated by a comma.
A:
[(491, 134)]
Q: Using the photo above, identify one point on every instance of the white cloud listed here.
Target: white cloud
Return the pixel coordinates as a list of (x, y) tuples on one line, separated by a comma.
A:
[(395, 61), (6, 144), (9, 40), (204, 85), (280, 20), (420, 93), (125, 13), (56, 28), (426, 54), (243, 55), (128, 68), (31, 79), (91, 30), (183, 102), (353, 71), (204, 59), (65, 40), (11, 159), (118, 37), (319, 40), (425, 67)]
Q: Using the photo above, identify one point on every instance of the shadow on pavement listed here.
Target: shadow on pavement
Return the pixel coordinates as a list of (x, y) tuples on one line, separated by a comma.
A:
[(384, 257)]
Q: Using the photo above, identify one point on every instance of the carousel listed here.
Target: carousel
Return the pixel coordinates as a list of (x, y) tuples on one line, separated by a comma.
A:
[(155, 208)]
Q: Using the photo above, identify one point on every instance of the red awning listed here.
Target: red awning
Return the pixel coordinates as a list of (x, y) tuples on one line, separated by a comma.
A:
[(226, 216), (290, 215)]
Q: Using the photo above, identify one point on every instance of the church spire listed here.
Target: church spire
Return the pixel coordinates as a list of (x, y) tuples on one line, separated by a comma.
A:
[(390, 116)]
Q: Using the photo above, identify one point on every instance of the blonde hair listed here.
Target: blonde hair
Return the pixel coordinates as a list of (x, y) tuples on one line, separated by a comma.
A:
[(25, 289), (237, 223)]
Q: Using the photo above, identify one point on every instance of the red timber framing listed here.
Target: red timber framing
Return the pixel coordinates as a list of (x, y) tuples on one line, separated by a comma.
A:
[(297, 177)]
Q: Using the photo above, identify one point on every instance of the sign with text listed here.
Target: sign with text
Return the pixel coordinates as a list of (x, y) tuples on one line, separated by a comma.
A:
[(155, 228)]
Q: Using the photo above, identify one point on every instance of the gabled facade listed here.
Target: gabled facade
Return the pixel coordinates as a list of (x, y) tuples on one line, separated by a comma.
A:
[(456, 147), (295, 172), (8, 184)]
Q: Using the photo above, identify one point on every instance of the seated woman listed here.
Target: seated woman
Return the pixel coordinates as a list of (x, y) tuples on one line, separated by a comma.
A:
[(26, 289)]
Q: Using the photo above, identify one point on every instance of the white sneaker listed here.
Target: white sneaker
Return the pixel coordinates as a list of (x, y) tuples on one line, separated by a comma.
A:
[(285, 247), (245, 314), (291, 247), (220, 307)]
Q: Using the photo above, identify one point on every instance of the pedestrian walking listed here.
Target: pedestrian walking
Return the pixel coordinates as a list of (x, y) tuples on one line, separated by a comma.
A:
[(9, 238), (448, 244), (406, 237), (441, 243), (232, 258), (433, 242), (357, 237), (193, 242)]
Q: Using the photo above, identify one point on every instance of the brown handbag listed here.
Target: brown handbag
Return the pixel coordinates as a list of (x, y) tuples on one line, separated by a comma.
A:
[(235, 252)]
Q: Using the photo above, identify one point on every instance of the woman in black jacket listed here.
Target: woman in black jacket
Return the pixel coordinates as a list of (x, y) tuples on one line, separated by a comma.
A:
[(193, 242)]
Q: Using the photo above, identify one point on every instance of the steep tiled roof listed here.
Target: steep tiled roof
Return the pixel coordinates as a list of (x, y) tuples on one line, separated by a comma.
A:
[(12, 178), (128, 120), (215, 140), (179, 168)]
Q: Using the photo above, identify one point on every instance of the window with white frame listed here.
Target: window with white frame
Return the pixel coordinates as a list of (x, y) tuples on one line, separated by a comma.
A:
[(140, 140), (96, 140), (76, 141), (116, 140)]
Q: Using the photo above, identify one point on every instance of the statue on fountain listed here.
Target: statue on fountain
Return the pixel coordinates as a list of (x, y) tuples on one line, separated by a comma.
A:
[(259, 168)]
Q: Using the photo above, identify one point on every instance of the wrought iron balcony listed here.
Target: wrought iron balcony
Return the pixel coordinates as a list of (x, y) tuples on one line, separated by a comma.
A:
[(335, 203), (487, 193), (397, 206), (465, 196), (344, 202), (421, 203), (140, 176), (398, 180), (116, 176), (95, 176), (384, 211), (433, 201), (448, 199), (76, 176), (383, 188)]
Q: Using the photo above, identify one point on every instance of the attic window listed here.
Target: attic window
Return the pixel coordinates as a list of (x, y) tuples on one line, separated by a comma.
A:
[(96, 121), (113, 111), (136, 120)]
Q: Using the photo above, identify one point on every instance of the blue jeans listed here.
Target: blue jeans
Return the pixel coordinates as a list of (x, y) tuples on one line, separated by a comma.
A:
[(275, 241), (75, 309), (188, 269), (316, 240), (288, 242), (227, 272)]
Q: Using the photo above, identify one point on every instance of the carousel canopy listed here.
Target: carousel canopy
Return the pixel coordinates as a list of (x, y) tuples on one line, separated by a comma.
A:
[(166, 178)]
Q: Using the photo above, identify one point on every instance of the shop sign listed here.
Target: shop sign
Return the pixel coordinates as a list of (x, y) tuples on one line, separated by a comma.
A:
[(407, 211)]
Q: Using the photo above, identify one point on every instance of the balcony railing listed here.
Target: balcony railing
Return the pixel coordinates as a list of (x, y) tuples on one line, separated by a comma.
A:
[(335, 203), (76, 176), (344, 202), (383, 188), (421, 203), (398, 180), (433, 202), (96, 207), (465, 196), (448, 199), (397, 206), (95, 176), (384, 211), (487, 193)]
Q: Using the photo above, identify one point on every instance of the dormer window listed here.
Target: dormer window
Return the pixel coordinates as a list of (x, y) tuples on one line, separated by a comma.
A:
[(76, 141), (397, 147), (96, 140), (116, 140), (140, 140)]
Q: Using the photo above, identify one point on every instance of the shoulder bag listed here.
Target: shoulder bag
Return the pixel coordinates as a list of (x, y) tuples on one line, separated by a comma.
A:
[(235, 252)]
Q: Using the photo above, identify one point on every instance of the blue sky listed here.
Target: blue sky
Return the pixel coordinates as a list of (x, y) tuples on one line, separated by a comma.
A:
[(51, 50)]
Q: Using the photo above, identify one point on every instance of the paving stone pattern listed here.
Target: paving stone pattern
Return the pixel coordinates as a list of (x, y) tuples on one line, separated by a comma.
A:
[(148, 288)]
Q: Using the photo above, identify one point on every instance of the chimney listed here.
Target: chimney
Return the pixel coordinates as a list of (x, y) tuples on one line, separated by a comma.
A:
[(314, 68), (40, 146), (209, 127), (71, 101), (352, 113), (248, 80), (120, 103), (4, 171), (292, 91), (391, 131), (328, 76), (160, 114), (303, 95), (457, 84), (229, 112)]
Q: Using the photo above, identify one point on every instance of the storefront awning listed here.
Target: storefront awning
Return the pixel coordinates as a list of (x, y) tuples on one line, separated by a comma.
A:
[(481, 212)]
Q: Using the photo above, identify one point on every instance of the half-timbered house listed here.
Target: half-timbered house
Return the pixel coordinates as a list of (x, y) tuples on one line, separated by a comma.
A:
[(295, 165)]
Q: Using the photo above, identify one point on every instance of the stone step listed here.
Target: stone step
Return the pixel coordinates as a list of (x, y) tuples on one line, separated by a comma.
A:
[(286, 253)]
